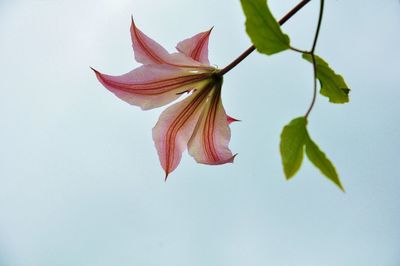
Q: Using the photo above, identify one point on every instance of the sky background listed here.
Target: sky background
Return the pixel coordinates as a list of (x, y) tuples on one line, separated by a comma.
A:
[(80, 181)]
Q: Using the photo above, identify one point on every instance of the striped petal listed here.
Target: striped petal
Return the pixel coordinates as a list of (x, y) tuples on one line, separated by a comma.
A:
[(209, 143), (147, 51), (175, 127), (196, 47), (151, 86)]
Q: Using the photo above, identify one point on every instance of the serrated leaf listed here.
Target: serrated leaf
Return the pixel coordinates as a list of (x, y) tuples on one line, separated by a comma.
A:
[(293, 139), (264, 31), (333, 85), (319, 159)]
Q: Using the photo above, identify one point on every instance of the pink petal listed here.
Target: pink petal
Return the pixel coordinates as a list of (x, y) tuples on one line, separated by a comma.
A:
[(196, 47), (175, 127), (209, 143), (151, 86), (147, 51), (183, 61)]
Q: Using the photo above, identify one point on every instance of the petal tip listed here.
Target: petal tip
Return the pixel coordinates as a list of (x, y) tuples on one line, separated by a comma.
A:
[(231, 160), (133, 25), (232, 119), (98, 74), (93, 69), (166, 176)]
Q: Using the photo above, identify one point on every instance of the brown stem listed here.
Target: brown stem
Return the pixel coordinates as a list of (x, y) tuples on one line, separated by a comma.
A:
[(252, 48), (314, 97)]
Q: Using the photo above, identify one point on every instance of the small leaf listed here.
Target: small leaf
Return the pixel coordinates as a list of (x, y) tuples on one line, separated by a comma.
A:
[(264, 31), (293, 139), (319, 159), (333, 85)]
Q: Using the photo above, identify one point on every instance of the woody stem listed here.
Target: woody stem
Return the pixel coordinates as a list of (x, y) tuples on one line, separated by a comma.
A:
[(252, 48)]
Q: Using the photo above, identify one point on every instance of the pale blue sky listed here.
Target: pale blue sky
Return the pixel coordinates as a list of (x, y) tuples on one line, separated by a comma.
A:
[(80, 181)]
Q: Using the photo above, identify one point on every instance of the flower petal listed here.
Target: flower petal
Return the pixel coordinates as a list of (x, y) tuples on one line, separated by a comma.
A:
[(175, 127), (151, 86), (196, 47), (209, 143), (147, 51), (182, 61)]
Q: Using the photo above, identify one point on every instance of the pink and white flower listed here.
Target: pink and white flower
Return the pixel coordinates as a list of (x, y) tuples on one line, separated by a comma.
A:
[(199, 121)]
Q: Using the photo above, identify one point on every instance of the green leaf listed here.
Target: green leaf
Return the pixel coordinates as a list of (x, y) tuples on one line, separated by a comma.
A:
[(264, 31), (293, 139), (319, 159), (333, 85)]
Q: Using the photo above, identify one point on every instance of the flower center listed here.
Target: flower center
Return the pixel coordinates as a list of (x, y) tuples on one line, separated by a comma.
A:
[(217, 77)]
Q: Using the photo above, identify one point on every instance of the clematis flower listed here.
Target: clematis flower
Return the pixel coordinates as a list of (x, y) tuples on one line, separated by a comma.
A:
[(198, 122)]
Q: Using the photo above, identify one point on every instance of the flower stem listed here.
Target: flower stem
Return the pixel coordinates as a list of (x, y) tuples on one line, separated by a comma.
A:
[(252, 48), (321, 12)]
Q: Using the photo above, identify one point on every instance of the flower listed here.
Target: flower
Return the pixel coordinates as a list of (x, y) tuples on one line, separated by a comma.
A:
[(199, 121)]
